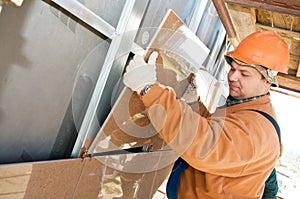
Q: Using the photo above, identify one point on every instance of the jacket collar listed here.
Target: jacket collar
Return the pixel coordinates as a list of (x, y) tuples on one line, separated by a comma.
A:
[(231, 101)]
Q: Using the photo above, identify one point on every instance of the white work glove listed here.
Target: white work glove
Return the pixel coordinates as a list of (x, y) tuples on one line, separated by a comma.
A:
[(139, 73)]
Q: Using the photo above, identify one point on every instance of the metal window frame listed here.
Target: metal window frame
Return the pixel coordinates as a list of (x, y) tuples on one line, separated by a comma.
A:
[(111, 71), (197, 15)]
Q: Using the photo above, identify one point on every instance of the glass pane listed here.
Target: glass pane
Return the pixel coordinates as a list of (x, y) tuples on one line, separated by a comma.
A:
[(48, 55)]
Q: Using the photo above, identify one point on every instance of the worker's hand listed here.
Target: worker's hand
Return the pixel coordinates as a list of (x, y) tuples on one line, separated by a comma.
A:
[(139, 73)]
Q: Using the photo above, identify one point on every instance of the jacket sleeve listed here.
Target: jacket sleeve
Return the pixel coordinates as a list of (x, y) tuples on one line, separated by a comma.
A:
[(200, 108), (214, 144)]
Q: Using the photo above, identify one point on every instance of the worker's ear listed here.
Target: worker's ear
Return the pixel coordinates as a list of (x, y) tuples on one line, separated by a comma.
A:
[(267, 84)]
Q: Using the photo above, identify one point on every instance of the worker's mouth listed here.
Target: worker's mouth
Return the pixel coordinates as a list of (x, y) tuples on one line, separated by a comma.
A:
[(234, 87)]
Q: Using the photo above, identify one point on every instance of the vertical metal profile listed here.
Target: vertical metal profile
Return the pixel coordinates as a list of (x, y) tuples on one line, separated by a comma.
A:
[(198, 11), (129, 21), (212, 64)]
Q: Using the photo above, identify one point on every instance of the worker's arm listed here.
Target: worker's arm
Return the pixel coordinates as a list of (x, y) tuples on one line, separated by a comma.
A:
[(219, 144), (202, 109), (214, 144)]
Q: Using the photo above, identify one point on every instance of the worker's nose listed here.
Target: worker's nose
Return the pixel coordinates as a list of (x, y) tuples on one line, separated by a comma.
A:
[(233, 75)]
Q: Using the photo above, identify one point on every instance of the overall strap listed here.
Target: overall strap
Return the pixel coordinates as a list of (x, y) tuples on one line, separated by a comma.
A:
[(271, 184), (273, 121), (173, 182)]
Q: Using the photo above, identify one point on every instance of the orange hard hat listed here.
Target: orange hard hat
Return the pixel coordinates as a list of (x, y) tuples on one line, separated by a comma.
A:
[(265, 48)]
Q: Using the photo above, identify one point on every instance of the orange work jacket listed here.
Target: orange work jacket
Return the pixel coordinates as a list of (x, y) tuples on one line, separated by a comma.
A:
[(231, 153)]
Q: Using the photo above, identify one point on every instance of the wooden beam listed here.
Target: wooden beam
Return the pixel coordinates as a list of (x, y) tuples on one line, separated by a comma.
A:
[(282, 32), (298, 71), (285, 92), (289, 82), (291, 7), (243, 18)]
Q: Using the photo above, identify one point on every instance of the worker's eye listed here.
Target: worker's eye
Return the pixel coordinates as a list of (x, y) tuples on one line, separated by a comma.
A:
[(245, 74)]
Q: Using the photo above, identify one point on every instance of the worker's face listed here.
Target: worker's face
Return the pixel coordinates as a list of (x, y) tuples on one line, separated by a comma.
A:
[(246, 81)]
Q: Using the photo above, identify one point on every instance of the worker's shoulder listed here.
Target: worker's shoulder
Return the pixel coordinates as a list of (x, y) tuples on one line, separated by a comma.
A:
[(262, 104)]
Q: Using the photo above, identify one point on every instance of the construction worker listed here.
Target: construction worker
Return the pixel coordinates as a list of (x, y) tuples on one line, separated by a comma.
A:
[(232, 152)]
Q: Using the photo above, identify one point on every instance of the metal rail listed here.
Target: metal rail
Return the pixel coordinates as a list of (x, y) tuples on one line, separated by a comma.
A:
[(88, 16)]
